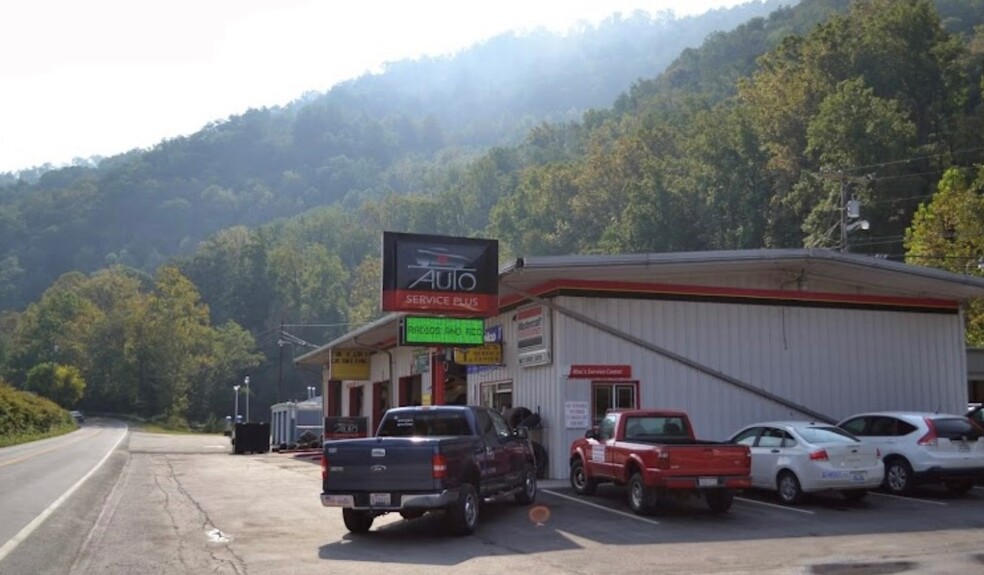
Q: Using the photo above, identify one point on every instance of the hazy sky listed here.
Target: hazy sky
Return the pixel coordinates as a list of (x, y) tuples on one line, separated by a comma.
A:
[(99, 77)]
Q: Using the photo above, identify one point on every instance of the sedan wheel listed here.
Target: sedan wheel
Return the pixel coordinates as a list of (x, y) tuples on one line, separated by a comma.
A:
[(789, 489)]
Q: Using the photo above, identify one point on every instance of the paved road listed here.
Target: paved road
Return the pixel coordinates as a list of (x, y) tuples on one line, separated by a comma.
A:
[(184, 505), (37, 478)]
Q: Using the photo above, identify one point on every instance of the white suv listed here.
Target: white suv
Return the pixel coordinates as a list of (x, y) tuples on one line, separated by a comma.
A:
[(923, 448)]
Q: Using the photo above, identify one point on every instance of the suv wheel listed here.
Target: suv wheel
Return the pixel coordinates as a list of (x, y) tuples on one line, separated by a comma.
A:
[(898, 476)]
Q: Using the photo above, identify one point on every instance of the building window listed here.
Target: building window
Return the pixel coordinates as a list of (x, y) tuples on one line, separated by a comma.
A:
[(613, 395), (496, 395)]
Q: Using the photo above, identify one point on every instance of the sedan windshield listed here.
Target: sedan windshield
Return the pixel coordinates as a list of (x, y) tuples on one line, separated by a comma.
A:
[(818, 435)]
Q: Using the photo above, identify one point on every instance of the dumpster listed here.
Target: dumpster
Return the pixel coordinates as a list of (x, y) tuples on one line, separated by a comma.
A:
[(251, 438)]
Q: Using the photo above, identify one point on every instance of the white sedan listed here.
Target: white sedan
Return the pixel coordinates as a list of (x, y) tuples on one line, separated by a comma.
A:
[(797, 457)]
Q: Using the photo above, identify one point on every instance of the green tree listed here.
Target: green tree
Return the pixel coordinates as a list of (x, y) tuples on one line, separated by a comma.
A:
[(62, 384), (948, 233)]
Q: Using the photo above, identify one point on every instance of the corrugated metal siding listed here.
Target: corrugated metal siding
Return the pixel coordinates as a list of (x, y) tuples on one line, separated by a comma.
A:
[(833, 361)]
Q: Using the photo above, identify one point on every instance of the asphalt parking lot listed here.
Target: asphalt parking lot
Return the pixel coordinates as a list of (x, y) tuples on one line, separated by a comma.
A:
[(188, 504), (759, 515)]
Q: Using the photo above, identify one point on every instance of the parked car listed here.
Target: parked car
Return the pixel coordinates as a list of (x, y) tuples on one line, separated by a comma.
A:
[(78, 416), (793, 458), (655, 453), (445, 459), (919, 448), (976, 413)]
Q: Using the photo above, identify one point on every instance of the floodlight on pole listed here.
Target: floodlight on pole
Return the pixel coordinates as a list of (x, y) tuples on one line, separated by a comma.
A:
[(246, 381)]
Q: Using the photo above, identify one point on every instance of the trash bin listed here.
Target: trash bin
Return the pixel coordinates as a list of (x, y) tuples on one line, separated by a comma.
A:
[(251, 438)]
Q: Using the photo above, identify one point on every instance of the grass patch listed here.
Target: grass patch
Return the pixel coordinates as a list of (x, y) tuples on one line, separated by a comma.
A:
[(8, 440)]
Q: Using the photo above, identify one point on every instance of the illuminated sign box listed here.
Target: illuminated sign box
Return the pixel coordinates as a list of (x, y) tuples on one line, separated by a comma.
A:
[(450, 331)]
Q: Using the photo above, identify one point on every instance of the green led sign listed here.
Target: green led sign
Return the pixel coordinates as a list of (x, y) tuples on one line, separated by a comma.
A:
[(452, 331)]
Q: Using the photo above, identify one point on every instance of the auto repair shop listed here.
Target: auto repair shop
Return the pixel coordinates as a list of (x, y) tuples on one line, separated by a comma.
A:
[(730, 337)]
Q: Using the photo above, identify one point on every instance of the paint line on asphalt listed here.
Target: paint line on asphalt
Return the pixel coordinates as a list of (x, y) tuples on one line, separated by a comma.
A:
[(774, 506), (916, 499), (54, 447), (602, 507), (37, 521)]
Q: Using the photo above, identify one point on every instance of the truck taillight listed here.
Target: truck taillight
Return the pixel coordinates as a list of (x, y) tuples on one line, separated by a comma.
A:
[(439, 466), (663, 460), (819, 455), (324, 467)]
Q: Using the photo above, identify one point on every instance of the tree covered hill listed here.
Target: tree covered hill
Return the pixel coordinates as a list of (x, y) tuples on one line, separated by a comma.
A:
[(744, 142), (366, 138)]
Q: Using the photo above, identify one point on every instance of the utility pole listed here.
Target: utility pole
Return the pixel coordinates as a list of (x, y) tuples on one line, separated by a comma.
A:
[(843, 215), (280, 368), (849, 209)]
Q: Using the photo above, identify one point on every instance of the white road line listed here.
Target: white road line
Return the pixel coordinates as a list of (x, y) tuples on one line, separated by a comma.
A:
[(602, 507), (37, 521), (916, 499), (774, 506)]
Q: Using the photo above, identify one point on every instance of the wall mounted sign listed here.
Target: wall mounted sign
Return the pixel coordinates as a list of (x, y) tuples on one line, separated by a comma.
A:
[(533, 346), (576, 415), (485, 354), (421, 361), (449, 274), (349, 364), (442, 331), (600, 372), (346, 427)]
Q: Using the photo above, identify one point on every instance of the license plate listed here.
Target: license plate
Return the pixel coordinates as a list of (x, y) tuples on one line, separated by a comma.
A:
[(707, 482), (859, 476), (963, 446), (379, 499)]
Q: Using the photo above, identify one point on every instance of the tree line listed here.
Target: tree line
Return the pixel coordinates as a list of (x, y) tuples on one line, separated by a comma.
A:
[(749, 141)]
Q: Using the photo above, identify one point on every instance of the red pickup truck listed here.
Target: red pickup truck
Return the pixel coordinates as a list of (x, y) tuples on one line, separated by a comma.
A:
[(655, 453)]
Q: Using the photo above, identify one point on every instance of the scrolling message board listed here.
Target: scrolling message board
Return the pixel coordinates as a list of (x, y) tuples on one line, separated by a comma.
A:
[(440, 274)]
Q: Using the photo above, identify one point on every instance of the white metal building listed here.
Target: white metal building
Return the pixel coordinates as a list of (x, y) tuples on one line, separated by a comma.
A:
[(731, 337)]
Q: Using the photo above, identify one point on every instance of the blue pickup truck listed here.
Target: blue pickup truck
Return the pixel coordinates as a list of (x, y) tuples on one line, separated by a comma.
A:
[(445, 459)]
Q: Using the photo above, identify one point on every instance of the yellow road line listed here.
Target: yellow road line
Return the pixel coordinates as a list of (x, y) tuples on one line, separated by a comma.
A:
[(50, 449)]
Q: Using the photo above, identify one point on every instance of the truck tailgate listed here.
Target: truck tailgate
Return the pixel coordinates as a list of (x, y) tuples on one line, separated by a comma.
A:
[(719, 460), (392, 464)]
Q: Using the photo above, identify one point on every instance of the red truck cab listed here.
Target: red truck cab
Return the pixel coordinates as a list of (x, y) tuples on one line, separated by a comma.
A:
[(655, 453)]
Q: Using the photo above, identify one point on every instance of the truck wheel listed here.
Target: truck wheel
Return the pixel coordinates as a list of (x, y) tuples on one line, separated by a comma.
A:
[(528, 492), (463, 514), (357, 521), (788, 488), (719, 500), (579, 479), (640, 496)]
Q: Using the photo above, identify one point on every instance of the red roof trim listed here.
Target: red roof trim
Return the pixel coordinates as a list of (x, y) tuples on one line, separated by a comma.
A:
[(728, 292)]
